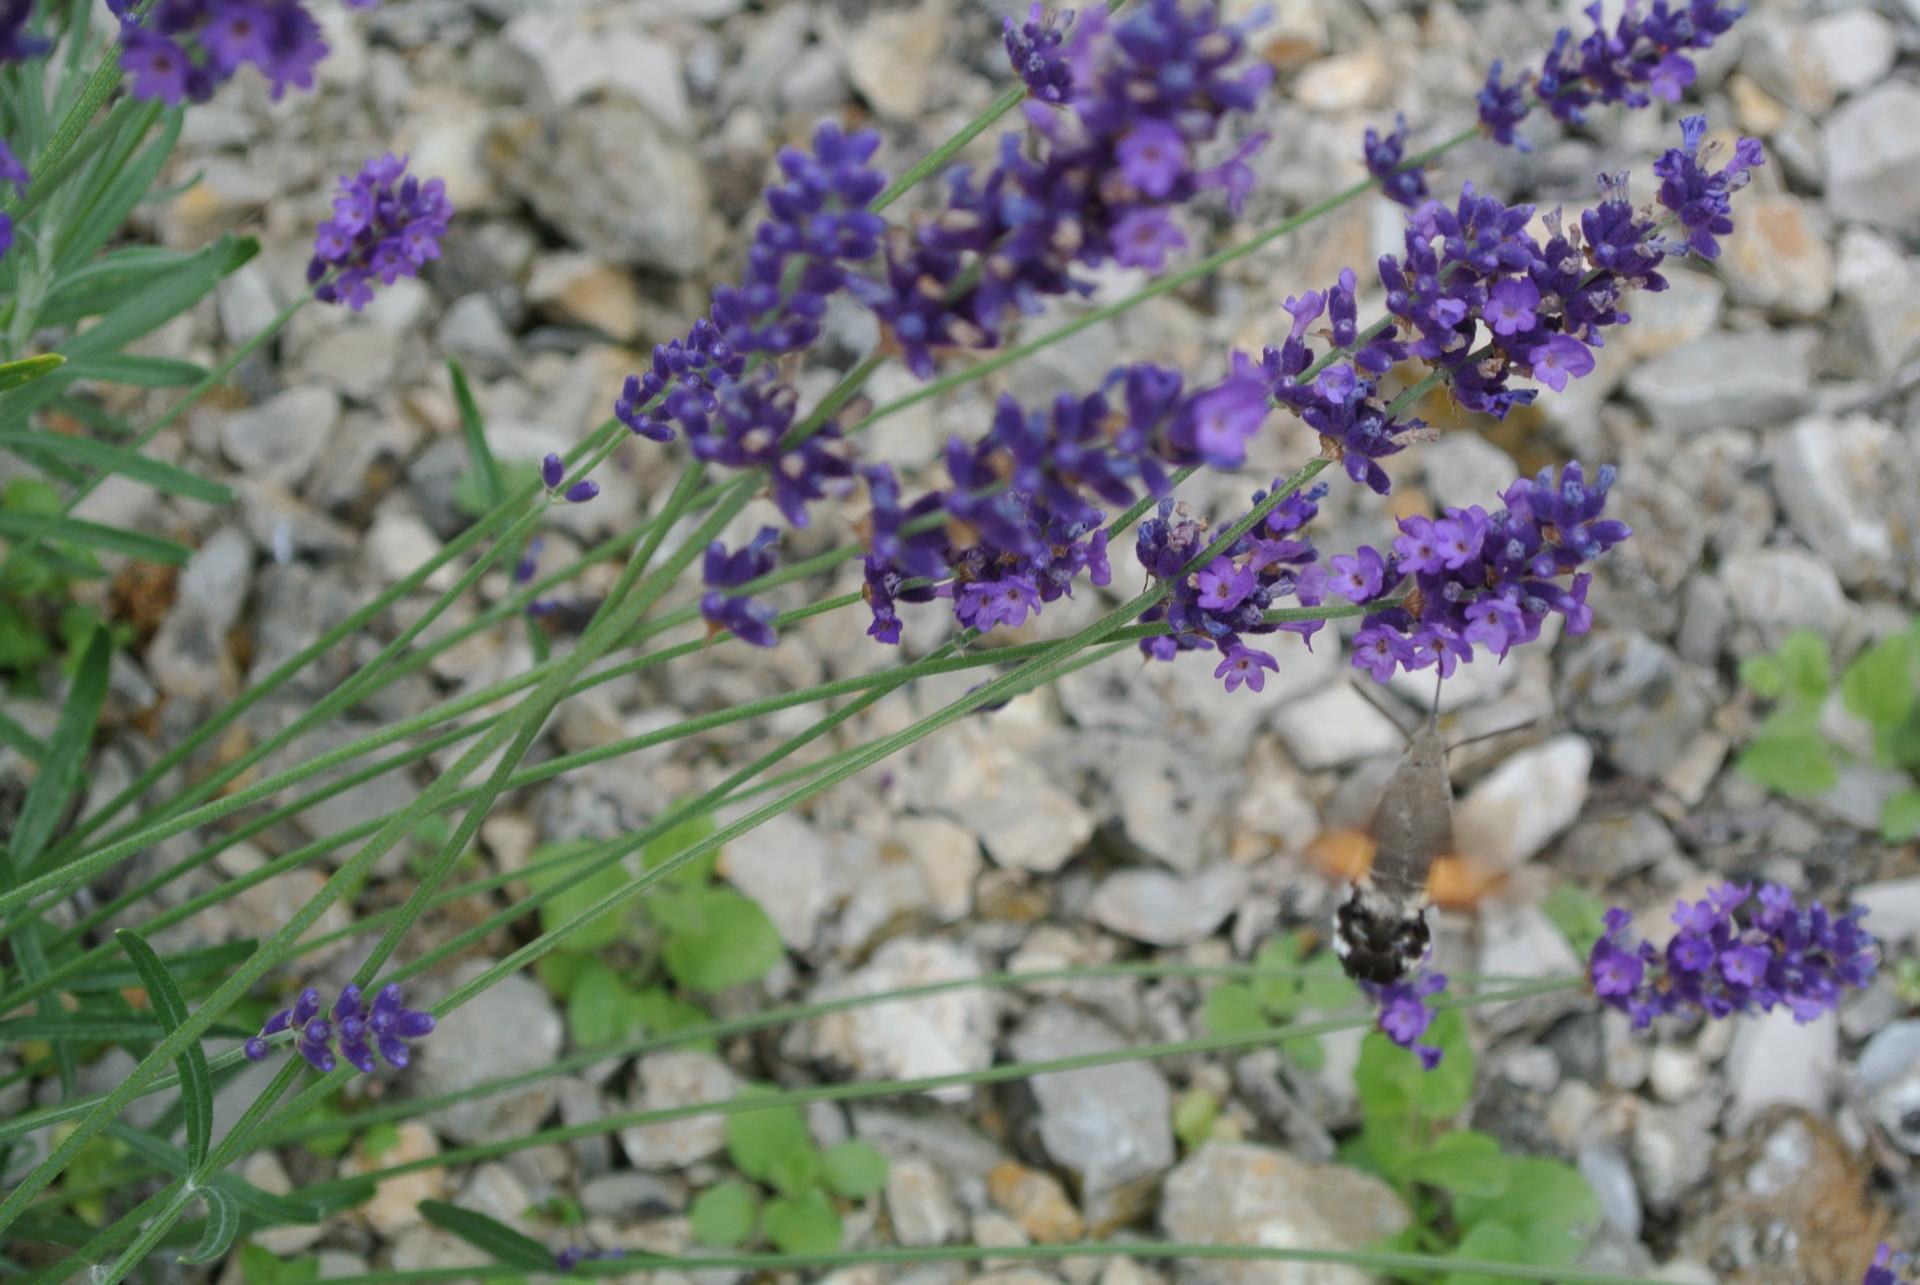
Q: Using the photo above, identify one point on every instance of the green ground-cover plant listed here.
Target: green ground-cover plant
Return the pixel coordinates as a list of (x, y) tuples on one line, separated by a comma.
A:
[(632, 931), (1792, 752)]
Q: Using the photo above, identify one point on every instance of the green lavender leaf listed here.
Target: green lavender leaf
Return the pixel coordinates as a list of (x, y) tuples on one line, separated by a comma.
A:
[(27, 369), (196, 1083), (161, 476), (490, 1236), (65, 765), (223, 1224)]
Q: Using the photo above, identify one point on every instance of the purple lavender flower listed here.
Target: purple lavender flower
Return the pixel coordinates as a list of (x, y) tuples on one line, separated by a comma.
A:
[(15, 44), (1502, 108), (1244, 664), (749, 621), (1144, 238), (818, 222), (1703, 201), (745, 423), (1642, 53), (1383, 155), (565, 1260), (1888, 1268), (1149, 90), (386, 224), (1229, 598), (1039, 53), (1718, 965), (1359, 576), (552, 470), (387, 1025), (1404, 1015), (1488, 579), (185, 49)]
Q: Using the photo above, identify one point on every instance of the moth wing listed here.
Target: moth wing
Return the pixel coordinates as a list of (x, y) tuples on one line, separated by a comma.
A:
[(1344, 854), (1459, 882)]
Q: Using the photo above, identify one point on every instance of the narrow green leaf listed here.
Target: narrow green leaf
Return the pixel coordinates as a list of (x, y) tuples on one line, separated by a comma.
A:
[(223, 1224), (128, 463), (489, 1235), (196, 1083), (855, 1169), (65, 766), (1900, 817), (724, 1216), (20, 740), (114, 185), (485, 467), (111, 974), (82, 1028), (136, 371), (27, 369), (95, 536), (33, 966)]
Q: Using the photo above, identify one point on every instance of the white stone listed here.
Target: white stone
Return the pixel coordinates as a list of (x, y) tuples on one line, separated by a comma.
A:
[(1776, 1061), (1335, 727), (892, 56), (930, 1035), (1534, 795), (284, 437), (920, 1204), (1785, 589), (677, 1078), (783, 864), (1855, 47), (1242, 1194), (1164, 909), (1873, 152), (580, 51)]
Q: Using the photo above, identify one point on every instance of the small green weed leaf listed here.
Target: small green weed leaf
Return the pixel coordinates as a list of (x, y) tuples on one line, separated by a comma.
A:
[(796, 1171), (1578, 914), (223, 1224), (1464, 1161), (264, 1267), (726, 940), (1542, 1191), (1194, 1116), (65, 766), (1232, 1009), (661, 1012), (1763, 676), (490, 1236), (1806, 665), (1327, 988), (1900, 817), (855, 1169), (379, 1139), (1878, 685), (196, 1082), (1792, 765), (724, 1216), (1442, 1092), (804, 1224), (600, 1007), (1487, 1243), (757, 1139), (664, 847), (1380, 1079), (1900, 745), (558, 971), (567, 905)]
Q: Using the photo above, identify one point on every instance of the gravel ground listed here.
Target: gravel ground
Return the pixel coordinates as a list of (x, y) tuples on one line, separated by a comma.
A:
[(604, 159)]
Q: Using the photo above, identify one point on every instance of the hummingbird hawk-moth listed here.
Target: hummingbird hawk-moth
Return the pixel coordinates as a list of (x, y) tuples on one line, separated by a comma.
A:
[(1403, 863)]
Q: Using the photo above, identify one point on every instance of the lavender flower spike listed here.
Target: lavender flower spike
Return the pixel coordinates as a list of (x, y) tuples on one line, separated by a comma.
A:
[(1776, 954), (386, 225), (391, 1022), (1889, 1268), (1404, 1015), (354, 1029)]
